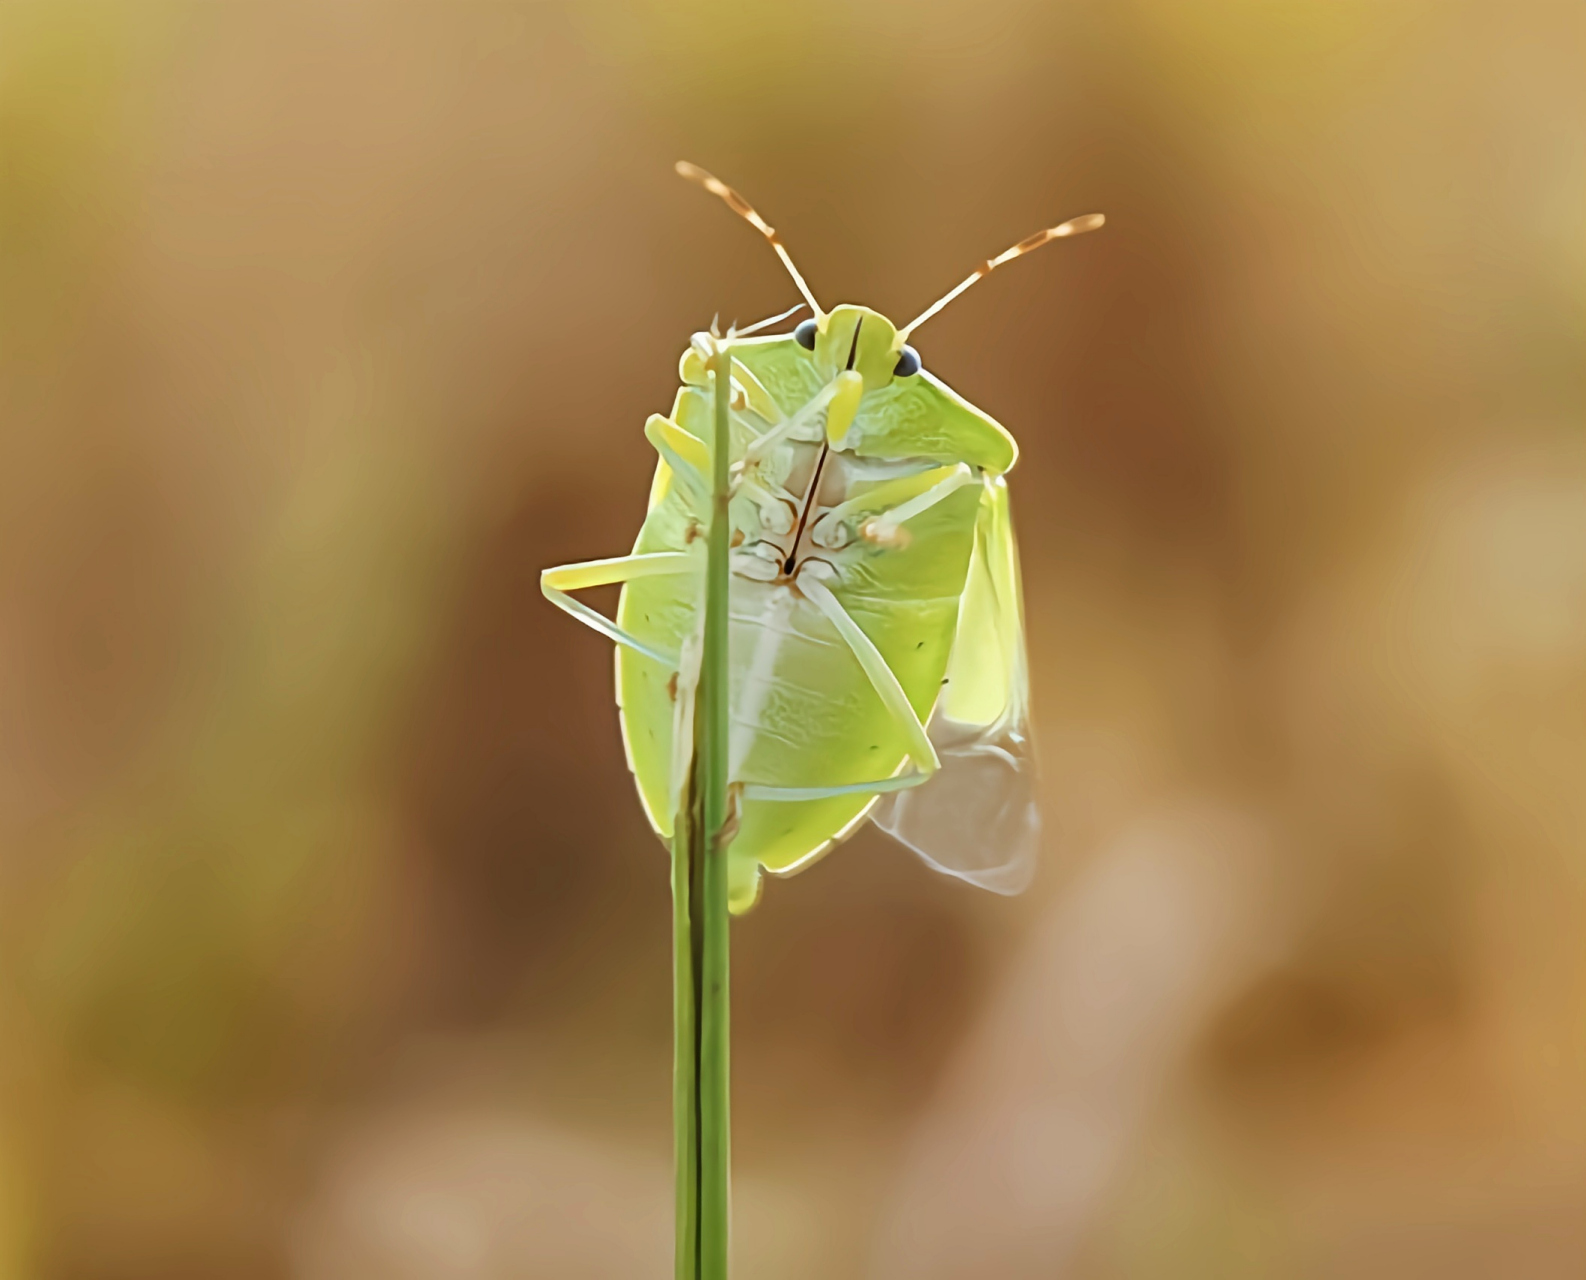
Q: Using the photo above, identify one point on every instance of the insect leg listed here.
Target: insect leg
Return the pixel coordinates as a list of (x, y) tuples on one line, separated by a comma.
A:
[(748, 392), (879, 786), (949, 485), (557, 582), (911, 494), (875, 666), (802, 418), (685, 455)]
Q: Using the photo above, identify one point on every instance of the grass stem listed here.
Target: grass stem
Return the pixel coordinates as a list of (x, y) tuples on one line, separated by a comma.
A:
[(700, 918)]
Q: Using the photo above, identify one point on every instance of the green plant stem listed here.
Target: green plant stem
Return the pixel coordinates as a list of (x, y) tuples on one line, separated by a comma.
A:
[(714, 1080), (685, 1046), (700, 919)]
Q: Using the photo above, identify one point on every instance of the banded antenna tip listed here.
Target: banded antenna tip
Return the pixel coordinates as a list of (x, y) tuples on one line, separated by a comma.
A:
[(1073, 227), (746, 211)]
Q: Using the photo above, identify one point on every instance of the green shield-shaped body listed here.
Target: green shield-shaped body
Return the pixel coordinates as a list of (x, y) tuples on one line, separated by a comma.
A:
[(810, 527)]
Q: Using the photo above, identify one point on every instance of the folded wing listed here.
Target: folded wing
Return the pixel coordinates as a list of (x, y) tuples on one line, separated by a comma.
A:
[(977, 818)]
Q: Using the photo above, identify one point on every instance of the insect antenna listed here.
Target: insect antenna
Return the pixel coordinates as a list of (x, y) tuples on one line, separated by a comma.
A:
[(767, 322), (1073, 227), (745, 210)]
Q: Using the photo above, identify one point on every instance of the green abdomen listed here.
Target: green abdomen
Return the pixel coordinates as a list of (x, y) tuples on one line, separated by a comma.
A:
[(804, 713)]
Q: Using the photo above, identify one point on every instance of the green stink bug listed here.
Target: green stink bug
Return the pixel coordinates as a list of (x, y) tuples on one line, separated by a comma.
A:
[(876, 642)]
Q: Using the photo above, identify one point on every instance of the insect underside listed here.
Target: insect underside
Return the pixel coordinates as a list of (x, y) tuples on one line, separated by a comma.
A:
[(875, 642), (848, 586)]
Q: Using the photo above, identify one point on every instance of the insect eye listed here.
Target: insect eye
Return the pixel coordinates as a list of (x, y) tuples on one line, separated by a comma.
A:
[(908, 363), (804, 335)]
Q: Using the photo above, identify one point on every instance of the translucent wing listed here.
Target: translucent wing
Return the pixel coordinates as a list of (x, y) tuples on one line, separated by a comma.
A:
[(977, 819)]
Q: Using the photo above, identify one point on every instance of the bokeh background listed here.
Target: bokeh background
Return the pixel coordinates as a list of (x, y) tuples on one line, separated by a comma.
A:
[(333, 943)]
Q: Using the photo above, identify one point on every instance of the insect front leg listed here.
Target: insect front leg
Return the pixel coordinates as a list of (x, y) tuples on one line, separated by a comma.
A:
[(685, 455), (791, 427), (748, 392)]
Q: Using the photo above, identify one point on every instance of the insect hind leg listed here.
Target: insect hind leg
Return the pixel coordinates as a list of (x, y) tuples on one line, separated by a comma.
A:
[(882, 678), (876, 787)]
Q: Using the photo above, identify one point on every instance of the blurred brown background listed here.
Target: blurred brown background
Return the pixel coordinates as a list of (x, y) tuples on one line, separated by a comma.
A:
[(333, 943)]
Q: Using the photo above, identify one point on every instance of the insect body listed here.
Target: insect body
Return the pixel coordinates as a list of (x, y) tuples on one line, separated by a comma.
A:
[(876, 645)]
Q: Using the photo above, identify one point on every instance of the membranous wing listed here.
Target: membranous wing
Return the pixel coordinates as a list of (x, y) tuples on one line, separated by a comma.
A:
[(977, 817)]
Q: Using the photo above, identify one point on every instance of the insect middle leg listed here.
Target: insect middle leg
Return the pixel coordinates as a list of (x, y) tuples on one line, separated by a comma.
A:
[(888, 506), (556, 583)]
